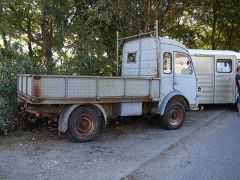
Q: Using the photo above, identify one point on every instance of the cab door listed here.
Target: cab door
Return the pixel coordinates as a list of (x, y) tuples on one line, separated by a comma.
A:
[(185, 79), (224, 90)]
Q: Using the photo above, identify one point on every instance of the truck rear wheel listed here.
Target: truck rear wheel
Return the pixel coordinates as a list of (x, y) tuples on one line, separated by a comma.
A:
[(174, 115), (84, 124)]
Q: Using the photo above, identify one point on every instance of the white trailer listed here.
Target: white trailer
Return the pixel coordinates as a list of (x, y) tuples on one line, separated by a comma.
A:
[(215, 70), (158, 78)]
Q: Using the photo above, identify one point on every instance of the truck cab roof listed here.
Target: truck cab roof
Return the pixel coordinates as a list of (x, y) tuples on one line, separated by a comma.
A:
[(161, 40)]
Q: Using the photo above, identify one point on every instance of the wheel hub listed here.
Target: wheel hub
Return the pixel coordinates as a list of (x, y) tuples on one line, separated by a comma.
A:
[(85, 125), (176, 116)]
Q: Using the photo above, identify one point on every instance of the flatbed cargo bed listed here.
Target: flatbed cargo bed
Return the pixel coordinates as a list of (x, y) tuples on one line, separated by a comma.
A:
[(59, 89)]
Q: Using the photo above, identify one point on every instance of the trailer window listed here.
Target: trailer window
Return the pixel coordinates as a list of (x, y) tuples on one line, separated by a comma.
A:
[(132, 56), (167, 63), (183, 64), (224, 65), (238, 63)]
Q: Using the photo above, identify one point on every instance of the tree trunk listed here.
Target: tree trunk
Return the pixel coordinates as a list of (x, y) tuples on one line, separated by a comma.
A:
[(29, 30), (228, 43), (214, 23), (148, 14), (47, 34)]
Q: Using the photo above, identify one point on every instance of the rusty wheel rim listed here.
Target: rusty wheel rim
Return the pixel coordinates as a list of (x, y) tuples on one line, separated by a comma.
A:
[(176, 116), (85, 125)]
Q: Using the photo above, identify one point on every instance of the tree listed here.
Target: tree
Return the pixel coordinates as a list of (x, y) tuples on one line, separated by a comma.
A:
[(44, 23)]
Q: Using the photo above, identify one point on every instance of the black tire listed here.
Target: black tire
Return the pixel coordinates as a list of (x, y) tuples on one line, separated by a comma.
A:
[(174, 115), (84, 125)]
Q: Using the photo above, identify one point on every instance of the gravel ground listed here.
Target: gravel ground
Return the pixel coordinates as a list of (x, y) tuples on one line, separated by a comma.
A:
[(123, 147)]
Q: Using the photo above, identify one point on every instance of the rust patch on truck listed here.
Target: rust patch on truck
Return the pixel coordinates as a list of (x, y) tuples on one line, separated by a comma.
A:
[(37, 92), (37, 77), (36, 87)]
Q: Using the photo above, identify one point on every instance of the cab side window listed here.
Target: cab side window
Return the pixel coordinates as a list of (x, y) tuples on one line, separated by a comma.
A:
[(224, 65), (132, 57), (167, 63), (182, 64)]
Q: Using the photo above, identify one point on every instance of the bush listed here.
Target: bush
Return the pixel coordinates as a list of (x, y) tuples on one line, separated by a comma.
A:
[(11, 64), (6, 125)]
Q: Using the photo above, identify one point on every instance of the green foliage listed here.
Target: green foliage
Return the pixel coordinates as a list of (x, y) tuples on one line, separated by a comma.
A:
[(11, 64), (78, 37), (6, 125)]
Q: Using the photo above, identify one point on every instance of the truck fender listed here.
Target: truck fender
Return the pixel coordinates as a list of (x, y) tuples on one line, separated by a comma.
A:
[(63, 120), (162, 105)]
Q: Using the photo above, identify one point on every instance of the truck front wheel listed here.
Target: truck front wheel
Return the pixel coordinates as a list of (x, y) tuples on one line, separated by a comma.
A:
[(84, 124), (174, 115)]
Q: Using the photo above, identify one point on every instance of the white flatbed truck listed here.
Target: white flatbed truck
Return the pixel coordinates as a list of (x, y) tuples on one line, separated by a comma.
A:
[(157, 78)]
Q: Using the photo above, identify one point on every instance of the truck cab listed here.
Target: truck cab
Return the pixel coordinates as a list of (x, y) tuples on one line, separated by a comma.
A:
[(178, 79)]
